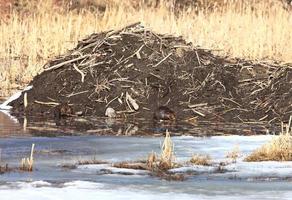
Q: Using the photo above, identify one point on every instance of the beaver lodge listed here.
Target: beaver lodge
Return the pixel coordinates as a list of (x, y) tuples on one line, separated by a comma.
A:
[(134, 71)]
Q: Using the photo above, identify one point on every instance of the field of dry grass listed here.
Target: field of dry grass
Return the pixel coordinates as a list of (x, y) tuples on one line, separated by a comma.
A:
[(244, 29)]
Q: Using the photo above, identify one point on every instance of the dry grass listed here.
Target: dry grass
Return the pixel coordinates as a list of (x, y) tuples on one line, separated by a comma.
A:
[(27, 163), (234, 154), (131, 165), (240, 29), (198, 159), (91, 162), (151, 160), (4, 168), (166, 159), (167, 153), (278, 149)]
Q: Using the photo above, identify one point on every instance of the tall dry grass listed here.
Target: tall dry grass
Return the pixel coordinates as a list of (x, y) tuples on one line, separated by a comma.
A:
[(259, 30), (278, 149)]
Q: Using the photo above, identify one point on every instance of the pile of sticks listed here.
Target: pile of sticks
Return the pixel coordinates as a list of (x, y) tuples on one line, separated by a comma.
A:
[(133, 71)]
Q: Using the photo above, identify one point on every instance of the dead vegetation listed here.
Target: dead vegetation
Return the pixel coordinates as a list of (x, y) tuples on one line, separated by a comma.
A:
[(27, 163), (278, 149), (91, 162), (30, 38), (131, 165), (4, 168), (158, 165), (199, 159), (167, 158), (234, 154)]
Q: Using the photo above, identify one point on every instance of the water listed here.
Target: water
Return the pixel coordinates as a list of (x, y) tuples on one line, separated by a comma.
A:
[(49, 180)]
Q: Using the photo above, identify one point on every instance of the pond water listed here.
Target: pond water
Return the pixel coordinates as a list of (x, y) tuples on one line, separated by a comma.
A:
[(49, 180)]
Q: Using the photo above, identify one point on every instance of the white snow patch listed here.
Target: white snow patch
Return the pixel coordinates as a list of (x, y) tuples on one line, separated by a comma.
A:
[(91, 191), (5, 104), (83, 185), (107, 167), (260, 169), (194, 168)]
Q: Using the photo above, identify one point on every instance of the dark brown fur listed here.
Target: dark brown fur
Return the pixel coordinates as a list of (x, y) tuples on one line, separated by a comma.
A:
[(63, 110), (164, 113)]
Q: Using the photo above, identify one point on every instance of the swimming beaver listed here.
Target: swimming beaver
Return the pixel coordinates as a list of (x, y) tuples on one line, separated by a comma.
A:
[(164, 113), (63, 110)]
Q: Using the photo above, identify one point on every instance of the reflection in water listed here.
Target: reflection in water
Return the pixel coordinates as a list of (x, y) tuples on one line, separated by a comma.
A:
[(41, 126), (8, 125)]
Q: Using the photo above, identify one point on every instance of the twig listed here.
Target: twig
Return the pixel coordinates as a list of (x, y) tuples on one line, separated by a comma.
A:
[(231, 101), (199, 113), (25, 102), (138, 52), (47, 103), (65, 63), (111, 101), (156, 65), (198, 105), (74, 94), (79, 71), (198, 58), (157, 76)]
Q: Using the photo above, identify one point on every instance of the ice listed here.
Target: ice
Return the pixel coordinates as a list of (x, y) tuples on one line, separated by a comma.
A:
[(77, 190), (102, 168), (267, 169), (240, 180), (195, 168)]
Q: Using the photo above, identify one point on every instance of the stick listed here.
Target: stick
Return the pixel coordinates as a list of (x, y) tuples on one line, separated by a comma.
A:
[(198, 58), (47, 103), (198, 105), (25, 100), (65, 63), (199, 113), (138, 52), (162, 60), (79, 71), (74, 94)]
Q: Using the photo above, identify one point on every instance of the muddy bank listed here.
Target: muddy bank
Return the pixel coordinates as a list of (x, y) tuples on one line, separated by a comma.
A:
[(134, 71)]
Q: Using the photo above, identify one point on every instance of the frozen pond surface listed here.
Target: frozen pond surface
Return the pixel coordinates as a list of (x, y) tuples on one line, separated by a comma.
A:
[(198, 190), (269, 180)]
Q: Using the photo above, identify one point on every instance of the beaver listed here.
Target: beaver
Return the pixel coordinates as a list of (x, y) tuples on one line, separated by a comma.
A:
[(63, 110), (164, 113)]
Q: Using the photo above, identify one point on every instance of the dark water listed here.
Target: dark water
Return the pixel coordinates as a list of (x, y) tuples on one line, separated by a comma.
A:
[(36, 126)]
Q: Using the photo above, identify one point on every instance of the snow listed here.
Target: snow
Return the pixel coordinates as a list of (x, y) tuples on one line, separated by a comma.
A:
[(5, 104), (195, 168), (217, 148), (77, 190), (102, 168), (241, 180)]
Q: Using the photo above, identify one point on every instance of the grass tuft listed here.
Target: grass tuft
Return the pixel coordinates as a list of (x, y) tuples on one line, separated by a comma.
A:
[(4, 168), (131, 165), (278, 149), (91, 162), (167, 156), (234, 154), (27, 163), (198, 159)]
